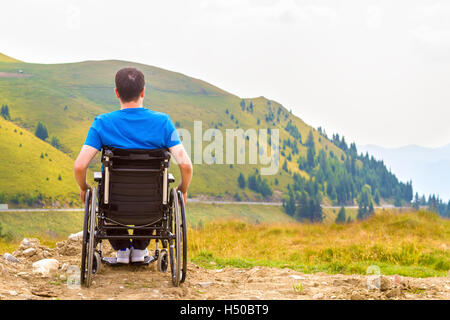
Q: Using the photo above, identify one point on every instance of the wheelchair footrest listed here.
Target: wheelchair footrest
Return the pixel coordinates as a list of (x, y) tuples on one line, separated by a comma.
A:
[(112, 261)]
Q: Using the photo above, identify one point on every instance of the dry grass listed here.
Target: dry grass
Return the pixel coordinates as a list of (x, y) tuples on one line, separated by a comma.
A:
[(412, 244)]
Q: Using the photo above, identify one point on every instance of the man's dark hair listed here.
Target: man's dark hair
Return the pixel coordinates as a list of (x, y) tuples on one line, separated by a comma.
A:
[(129, 83)]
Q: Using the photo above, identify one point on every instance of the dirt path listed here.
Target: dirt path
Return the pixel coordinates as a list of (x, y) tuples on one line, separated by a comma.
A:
[(18, 281)]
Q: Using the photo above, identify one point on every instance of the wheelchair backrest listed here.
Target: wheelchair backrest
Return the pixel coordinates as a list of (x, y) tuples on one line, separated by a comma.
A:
[(134, 184)]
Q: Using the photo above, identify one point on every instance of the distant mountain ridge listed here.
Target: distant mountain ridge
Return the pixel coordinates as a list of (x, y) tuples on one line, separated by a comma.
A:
[(428, 168), (66, 97)]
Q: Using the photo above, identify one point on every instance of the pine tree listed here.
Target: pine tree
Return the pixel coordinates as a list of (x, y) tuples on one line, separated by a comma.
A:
[(5, 112), (341, 217), (289, 205), (242, 104), (55, 142), (311, 152), (41, 131), (241, 181)]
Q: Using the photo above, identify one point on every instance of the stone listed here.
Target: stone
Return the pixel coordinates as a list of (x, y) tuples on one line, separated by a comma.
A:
[(65, 266), (318, 296), (76, 236), (385, 283), (205, 284), (45, 266), (3, 269), (9, 257), (29, 252), (29, 242), (356, 296), (12, 293), (393, 293), (297, 277)]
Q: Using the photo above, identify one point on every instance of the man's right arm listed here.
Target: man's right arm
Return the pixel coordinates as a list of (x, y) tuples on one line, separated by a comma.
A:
[(185, 165)]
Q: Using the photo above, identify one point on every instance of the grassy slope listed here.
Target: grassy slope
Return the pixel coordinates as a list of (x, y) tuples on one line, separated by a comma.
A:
[(87, 90), (411, 244), (54, 226), (5, 58), (24, 171)]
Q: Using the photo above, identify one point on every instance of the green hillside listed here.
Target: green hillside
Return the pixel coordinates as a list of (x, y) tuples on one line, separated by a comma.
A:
[(5, 58), (67, 97), (32, 170)]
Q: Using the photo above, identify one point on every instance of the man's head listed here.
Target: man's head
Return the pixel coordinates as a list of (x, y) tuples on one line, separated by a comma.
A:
[(130, 85)]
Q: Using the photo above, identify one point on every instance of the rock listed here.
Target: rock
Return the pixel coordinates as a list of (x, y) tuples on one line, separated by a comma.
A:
[(23, 275), (9, 257), (12, 293), (396, 292), (29, 242), (318, 296), (3, 269), (46, 254), (65, 266), (29, 252), (45, 266), (385, 283), (356, 296), (76, 236), (297, 277), (69, 250), (205, 284)]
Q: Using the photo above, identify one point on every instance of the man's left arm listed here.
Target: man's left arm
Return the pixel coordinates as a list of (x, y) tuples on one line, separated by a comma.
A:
[(86, 155)]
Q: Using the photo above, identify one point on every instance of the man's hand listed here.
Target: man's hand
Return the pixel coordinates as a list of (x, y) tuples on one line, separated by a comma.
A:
[(183, 193), (83, 193), (185, 165)]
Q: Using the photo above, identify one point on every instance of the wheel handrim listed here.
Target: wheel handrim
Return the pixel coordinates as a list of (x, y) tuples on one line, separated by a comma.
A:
[(84, 244), (174, 244), (91, 240)]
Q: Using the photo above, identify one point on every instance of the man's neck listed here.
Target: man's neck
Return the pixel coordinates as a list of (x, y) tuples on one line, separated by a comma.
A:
[(130, 105)]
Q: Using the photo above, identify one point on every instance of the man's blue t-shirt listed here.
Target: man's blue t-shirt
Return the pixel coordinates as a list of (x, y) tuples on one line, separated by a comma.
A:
[(132, 128)]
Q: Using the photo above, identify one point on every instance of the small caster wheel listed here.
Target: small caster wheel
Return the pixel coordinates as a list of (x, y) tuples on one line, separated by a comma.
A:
[(163, 260), (97, 263)]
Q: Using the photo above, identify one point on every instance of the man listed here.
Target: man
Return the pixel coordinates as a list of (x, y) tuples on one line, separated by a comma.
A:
[(132, 127)]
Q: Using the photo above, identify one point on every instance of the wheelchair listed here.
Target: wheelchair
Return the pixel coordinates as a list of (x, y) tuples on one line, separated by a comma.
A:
[(133, 193)]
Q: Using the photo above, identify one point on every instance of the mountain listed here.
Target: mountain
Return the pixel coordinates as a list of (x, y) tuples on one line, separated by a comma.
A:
[(67, 97), (5, 58), (32, 169), (428, 168)]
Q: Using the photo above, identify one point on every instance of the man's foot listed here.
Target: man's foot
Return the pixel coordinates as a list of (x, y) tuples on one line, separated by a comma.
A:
[(138, 255), (123, 256)]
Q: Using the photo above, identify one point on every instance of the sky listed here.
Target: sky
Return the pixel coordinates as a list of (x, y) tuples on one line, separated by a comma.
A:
[(377, 72)]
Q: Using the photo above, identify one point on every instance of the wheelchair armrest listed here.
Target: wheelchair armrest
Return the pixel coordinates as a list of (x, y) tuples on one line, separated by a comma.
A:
[(97, 176), (171, 178)]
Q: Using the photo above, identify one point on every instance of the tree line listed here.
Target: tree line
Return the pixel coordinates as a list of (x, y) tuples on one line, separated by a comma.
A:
[(343, 179)]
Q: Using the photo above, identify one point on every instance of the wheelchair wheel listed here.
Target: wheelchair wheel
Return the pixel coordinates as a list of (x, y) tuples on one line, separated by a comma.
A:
[(163, 260), (97, 263), (183, 236), (85, 237), (88, 265), (176, 246)]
